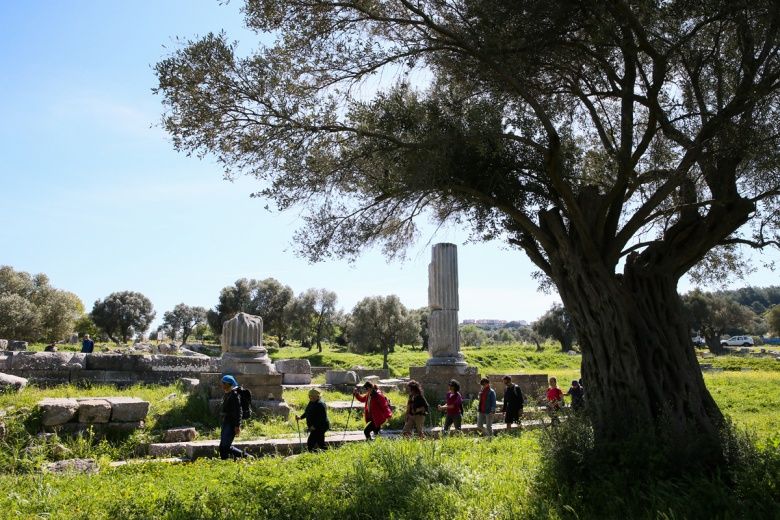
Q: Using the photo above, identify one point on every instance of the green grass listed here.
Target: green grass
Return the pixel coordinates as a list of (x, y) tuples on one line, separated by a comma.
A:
[(456, 478)]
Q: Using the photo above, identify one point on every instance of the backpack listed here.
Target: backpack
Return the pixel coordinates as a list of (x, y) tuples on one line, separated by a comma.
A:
[(245, 398)]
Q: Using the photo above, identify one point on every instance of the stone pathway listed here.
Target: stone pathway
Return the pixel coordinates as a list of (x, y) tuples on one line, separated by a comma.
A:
[(289, 444)]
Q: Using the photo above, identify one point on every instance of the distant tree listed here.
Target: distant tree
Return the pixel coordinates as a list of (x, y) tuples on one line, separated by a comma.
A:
[(232, 300), (183, 319), (270, 300), (773, 319), (713, 314), (32, 310), (422, 314), (202, 331), (379, 323), (123, 314), (19, 318), (472, 336), (557, 323), (300, 313), (324, 314), (85, 325)]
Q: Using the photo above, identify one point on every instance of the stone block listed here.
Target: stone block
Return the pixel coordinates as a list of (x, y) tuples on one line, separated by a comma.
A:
[(5, 361), (77, 428), (341, 377), (45, 377), (128, 409), (112, 362), (3, 344), (293, 366), (71, 466), (17, 345), (57, 411), (116, 377), (177, 449), (9, 382), (179, 364), (180, 435), (362, 373), (296, 379), (434, 379), (93, 411), (190, 384), (371, 379), (49, 361)]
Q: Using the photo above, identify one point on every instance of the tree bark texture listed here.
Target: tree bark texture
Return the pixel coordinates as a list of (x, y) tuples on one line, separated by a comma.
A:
[(639, 370)]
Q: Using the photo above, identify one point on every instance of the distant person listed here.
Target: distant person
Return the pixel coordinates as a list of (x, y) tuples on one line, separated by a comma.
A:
[(377, 408), (416, 410), (230, 418), (554, 400), (87, 345), (577, 394), (486, 409), (453, 407), (316, 415), (513, 403)]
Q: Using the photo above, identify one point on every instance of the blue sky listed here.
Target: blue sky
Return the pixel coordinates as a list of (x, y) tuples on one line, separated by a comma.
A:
[(93, 195)]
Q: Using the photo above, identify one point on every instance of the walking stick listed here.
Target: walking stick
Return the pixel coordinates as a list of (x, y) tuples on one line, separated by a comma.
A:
[(349, 414), (300, 442)]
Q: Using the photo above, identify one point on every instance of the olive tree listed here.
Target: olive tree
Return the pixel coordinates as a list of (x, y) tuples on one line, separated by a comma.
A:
[(183, 319), (379, 323), (32, 310), (619, 145), (121, 315), (556, 323)]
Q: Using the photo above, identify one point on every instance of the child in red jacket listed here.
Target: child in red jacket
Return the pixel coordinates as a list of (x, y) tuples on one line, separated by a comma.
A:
[(377, 409)]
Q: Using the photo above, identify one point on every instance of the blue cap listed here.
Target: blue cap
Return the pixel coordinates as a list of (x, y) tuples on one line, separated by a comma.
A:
[(230, 379)]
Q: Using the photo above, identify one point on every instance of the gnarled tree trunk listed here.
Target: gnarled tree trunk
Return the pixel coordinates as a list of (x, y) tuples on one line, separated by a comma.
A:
[(640, 372)]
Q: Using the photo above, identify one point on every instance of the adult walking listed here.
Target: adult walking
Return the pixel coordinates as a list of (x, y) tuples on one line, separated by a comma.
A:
[(416, 410), (230, 418), (513, 403), (376, 410), (316, 415), (486, 409), (453, 407), (87, 345)]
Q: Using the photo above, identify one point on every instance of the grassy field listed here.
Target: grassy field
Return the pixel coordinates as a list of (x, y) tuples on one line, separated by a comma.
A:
[(456, 478)]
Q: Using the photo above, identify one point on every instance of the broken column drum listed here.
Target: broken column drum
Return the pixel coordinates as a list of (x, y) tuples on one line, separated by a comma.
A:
[(242, 346), (443, 334)]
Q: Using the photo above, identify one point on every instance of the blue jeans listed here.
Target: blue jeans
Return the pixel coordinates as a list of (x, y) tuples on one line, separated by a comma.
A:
[(226, 448)]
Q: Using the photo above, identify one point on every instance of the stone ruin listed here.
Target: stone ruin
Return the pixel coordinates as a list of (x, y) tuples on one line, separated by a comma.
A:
[(245, 358), (101, 414), (446, 361)]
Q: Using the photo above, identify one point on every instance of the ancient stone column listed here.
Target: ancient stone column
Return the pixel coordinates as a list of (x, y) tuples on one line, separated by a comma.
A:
[(445, 360), (443, 335), (242, 346)]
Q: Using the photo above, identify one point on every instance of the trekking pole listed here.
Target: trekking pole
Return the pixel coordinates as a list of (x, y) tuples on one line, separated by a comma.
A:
[(349, 414), (300, 442)]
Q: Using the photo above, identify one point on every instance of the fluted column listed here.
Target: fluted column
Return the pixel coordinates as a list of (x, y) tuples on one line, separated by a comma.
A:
[(242, 346), (443, 334)]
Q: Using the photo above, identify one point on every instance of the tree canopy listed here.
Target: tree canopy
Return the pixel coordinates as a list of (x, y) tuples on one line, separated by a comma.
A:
[(618, 144), (122, 314), (32, 310), (182, 320)]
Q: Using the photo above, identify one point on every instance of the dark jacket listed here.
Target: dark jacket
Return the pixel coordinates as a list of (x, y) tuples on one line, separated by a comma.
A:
[(87, 346), (230, 412), (513, 399), (416, 405), (316, 416)]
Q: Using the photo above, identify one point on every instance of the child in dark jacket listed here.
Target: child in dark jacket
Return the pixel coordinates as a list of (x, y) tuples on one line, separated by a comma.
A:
[(316, 415)]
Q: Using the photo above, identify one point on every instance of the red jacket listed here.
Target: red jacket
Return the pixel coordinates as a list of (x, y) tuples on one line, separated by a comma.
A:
[(377, 409)]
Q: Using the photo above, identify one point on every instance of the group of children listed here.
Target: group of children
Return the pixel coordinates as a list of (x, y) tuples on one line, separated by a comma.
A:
[(377, 410)]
